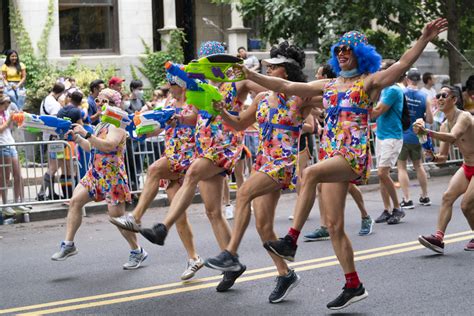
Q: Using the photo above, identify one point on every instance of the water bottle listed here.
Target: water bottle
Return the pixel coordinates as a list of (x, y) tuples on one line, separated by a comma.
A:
[(26, 217)]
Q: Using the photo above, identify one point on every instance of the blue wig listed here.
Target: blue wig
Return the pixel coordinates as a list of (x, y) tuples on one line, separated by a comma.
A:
[(368, 60)]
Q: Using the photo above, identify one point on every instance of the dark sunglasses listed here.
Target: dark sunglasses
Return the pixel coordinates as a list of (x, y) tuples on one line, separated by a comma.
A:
[(342, 49), (103, 101), (443, 95)]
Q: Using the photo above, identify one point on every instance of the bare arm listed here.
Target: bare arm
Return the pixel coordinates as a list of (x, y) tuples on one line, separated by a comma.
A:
[(245, 118), (462, 124), (308, 126), (380, 109), (4, 76), (429, 112), (107, 145), (442, 157), (6, 124)]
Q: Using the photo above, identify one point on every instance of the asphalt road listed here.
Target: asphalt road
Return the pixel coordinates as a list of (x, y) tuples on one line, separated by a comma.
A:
[(401, 276)]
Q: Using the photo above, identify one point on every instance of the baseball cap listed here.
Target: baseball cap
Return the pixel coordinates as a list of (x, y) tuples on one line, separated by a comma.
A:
[(115, 80), (414, 74)]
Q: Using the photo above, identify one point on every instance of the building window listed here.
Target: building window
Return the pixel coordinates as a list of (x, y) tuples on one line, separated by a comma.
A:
[(88, 26)]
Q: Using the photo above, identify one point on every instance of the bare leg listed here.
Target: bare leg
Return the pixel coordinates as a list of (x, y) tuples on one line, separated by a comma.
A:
[(5, 177), (117, 211), (239, 172), (356, 194), (385, 197), (457, 186), (226, 192), (182, 225), (258, 184), (335, 169), (403, 178), (321, 204), (79, 198), (467, 204), (422, 178), (335, 222), (387, 182), (18, 193)]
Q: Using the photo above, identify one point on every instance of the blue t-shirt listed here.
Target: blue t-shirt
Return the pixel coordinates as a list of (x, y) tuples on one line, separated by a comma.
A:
[(416, 101), (389, 124), (92, 108)]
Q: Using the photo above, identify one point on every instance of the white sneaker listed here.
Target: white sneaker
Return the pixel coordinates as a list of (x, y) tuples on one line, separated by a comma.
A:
[(135, 259), (229, 211), (8, 211), (192, 268), (126, 222)]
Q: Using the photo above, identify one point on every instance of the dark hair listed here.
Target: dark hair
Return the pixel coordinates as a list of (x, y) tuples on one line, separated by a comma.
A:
[(426, 77), (241, 47), (95, 84), (294, 71), (8, 62), (135, 84), (76, 97), (470, 83), (455, 91), (58, 88), (327, 71)]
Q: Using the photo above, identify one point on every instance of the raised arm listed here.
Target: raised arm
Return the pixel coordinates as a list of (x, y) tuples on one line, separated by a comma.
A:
[(385, 78)]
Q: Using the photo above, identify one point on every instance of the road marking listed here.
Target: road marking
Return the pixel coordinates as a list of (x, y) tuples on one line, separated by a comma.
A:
[(205, 283)]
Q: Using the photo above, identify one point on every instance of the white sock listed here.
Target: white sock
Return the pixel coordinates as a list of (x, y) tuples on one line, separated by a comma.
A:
[(69, 243), (138, 250)]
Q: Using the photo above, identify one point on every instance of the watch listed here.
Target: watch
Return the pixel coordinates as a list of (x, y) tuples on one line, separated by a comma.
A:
[(88, 134)]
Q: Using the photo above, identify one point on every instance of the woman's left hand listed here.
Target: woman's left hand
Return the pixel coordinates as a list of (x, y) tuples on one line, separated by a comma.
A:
[(432, 29), (79, 129)]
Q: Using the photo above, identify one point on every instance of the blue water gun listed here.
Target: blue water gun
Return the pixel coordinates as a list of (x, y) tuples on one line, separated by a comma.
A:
[(149, 121), (42, 123)]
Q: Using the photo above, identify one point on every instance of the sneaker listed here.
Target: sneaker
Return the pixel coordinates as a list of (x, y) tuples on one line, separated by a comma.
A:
[(383, 217), (22, 209), (470, 246), (425, 201), (347, 297), (41, 197), (8, 211), (407, 204), (64, 252), (367, 226), (126, 222), (229, 278), (225, 261), (318, 234), (193, 266), (431, 242), (283, 247), (284, 285), (135, 259), (156, 235), (229, 212), (397, 215)]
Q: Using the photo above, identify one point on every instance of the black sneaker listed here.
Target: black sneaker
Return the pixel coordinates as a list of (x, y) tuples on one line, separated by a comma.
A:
[(157, 234), (225, 261), (383, 217), (284, 285), (397, 215), (407, 204), (229, 279), (425, 201), (283, 247), (347, 297)]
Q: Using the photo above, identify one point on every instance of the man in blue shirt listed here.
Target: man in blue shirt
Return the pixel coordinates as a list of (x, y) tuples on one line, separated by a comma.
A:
[(388, 146), (93, 112), (419, 107)]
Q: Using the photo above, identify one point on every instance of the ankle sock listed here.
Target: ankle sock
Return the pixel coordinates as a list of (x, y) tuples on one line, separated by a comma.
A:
[(439, 235), (68, 243), (294, 234), (138, 250), (352, 280)]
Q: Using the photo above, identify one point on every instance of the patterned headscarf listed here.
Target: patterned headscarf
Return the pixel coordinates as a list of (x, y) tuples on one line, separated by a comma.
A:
[(353, 38), (111, 95), (211, 48)]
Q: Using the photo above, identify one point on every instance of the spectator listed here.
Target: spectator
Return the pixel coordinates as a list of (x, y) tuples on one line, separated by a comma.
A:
[(9, 159), (115, 83), (251, 62), (14, 77), (325, 71), (94, 112), (428, 89), (51, 106), (468, 95), (136, 97)]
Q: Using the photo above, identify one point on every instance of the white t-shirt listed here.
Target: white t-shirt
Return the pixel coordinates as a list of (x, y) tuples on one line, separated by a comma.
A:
[(251, 61), (431, 93), (6, 136), (50, 106)]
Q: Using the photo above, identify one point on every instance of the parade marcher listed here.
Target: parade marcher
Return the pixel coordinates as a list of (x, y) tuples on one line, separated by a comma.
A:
[(105, 180), (218, 147), (179, 151), (345, 141), (280, 118), (458, 129)]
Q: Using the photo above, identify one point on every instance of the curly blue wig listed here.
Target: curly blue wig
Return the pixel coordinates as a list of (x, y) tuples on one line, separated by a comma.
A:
[(368, 60)]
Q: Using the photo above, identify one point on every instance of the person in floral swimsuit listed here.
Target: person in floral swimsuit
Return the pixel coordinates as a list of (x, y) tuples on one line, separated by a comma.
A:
[(171, 168), (218, 147), (106, 180), (345, 145), (280, 118)]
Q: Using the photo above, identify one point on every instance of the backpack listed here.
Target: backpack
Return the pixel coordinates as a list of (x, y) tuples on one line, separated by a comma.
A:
[(405, 118)]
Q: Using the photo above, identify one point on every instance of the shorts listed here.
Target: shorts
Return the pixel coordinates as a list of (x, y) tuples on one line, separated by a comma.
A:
[(8, 152), (468, 171), (412, 151), (387, 151)]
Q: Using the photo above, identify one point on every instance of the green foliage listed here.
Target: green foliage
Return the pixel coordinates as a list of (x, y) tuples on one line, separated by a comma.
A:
[(43, 42), (153, 62), (133, 72), (84, 75)]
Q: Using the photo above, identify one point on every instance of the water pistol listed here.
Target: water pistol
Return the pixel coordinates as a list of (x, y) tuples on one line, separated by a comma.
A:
[(42, 123), (201, 95), (216, 67), (116, 116), (149, 121)]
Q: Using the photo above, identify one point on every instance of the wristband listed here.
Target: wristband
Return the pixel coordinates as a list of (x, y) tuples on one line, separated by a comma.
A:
[(88, 134), (430, 133)]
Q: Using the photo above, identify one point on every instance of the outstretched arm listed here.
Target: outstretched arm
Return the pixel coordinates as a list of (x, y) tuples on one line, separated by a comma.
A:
[(245, 118), (461, 126)]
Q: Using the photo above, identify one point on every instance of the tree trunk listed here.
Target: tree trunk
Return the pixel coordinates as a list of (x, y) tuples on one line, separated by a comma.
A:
[(452, 14)]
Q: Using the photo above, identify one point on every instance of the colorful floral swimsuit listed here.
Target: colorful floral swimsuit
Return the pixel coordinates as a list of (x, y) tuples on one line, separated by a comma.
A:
[(107, 178), (217, 141), (279, 131), (346, 132)]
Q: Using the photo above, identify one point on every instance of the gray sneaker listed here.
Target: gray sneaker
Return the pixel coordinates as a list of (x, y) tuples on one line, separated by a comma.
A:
[(135, 259), (367, 226), (126, 222), (192, 268), (317, 235), (64, 252), (397, 215)]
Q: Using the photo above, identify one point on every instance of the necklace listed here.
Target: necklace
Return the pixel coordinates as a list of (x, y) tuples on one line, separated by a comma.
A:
[(455, 118)]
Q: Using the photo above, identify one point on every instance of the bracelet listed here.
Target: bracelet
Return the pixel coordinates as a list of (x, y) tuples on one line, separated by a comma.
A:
[(430, 133)]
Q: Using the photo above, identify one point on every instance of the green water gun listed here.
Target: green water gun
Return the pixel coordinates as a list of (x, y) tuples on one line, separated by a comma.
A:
[(214, 67)]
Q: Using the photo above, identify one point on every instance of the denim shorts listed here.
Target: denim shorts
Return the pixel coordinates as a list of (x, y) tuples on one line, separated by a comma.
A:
[(8, 151)]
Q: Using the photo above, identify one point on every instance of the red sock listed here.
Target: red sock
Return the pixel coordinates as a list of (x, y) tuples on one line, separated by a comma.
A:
[(439, 235), (352, 280), (294, 234)]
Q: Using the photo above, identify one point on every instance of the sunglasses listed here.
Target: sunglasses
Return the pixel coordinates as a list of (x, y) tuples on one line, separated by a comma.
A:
[(342, 49), (273, 67), (443, 95), (103, 101)]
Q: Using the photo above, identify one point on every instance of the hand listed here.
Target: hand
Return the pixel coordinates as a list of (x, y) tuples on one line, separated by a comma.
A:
[(79, 129), (432, 29), (71, 134), (429, 156), (239, 69), (173, 121), (419, 126), (219, 106)]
